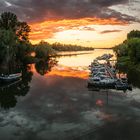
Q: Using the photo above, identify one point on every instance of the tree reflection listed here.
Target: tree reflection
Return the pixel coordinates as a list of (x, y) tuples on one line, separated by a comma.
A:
[(134, 77), (10, 91), (132, 72), (44, 66)]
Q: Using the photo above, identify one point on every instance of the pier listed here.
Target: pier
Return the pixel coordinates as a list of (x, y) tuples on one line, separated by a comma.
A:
[(104, 75)]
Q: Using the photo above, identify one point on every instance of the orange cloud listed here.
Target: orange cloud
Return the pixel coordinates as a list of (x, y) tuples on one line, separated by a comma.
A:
[(47, 29)]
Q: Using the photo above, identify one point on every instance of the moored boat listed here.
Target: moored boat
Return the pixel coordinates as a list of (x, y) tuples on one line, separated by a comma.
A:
[(10, 77), (104, 75)]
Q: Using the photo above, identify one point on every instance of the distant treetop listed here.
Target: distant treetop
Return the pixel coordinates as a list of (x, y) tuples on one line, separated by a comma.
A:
[(133, 34)]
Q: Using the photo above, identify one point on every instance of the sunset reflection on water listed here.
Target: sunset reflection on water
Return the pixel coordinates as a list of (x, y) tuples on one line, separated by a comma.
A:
[(75, 65), (57, 104), (81, 60)]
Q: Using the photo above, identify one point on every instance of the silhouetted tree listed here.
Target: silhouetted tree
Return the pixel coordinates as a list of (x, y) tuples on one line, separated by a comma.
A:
[(8, 21), (133, 34), (14, 37)]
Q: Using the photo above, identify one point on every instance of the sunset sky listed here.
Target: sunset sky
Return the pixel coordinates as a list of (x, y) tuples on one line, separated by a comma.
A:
[(92, 23)]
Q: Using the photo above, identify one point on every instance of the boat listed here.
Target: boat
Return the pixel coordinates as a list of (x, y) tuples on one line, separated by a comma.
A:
[(94, 81), (5, 85), (10, 77), (105, 57), (104, 75), (101, 81), (122, 85)]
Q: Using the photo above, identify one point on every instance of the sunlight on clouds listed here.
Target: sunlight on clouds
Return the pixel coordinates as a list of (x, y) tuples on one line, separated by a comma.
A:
[(77, 31)]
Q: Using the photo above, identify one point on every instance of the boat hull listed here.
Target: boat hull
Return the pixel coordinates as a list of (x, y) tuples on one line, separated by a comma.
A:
[(10, 78)]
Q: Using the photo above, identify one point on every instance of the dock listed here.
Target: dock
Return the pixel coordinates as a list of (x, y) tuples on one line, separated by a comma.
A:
[(104, 75)]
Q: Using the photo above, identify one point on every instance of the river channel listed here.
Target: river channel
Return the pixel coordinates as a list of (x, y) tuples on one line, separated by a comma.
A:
[(54, 103)]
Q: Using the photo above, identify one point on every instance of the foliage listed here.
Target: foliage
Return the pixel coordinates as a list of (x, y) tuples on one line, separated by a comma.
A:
[(128, 57), (14, 41), (8, 21), (7, 43), (121, 50), (130, 47), (69, 47), (44, 50), (23, 30), (133, 34), (24, 50), (134, 49)]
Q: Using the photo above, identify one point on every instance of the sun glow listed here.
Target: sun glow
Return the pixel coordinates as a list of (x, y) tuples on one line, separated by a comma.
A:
[(70, 31), (90, 32)]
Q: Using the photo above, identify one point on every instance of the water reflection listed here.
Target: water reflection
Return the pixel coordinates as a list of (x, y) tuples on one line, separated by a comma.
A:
[(132, 72), (84, 59), (59, 106), (10, 91), (45, 66), (121, 129), (134, 77)]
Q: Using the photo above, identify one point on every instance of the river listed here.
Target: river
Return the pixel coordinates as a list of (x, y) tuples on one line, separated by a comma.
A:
[(56, 104)]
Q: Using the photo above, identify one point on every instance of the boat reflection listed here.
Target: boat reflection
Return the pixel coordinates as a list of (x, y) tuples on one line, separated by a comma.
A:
[(10, 91), (61, 100)]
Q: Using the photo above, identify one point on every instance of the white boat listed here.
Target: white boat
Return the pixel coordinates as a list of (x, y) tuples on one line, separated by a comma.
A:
[(101, 80), (107, 81), (98, 69), (10, 77), (104, 75), (94, 80), (104, 57)]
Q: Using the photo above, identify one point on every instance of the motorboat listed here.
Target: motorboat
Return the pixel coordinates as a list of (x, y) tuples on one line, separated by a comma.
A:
[(104, 75), (94, 80), (101, 80), (10, 77), (98, 69)]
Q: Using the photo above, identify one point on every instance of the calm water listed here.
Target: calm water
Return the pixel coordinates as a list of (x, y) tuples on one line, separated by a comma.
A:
[(54, 103)]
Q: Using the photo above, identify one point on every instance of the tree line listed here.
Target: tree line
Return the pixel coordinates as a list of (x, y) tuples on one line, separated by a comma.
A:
[(128, 57), (130, 48), (14, 38)]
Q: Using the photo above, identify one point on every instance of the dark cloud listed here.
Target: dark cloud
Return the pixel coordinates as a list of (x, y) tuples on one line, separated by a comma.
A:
[(39, 10), (110, 31), (107, 3), (87, 29)]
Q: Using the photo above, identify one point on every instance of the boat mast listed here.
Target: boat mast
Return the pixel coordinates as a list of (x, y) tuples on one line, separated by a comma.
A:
[(8, 59)]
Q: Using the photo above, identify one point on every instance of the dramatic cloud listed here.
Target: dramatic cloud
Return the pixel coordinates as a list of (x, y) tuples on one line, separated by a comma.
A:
[(48, 17), (110, 31), (47, 29), (40, 10)]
